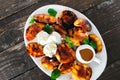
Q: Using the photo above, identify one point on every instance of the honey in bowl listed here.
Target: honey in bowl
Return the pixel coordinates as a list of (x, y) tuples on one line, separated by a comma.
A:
[(86, 54)]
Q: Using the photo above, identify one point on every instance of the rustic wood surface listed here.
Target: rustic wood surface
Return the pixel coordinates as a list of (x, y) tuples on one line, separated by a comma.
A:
[(15, 63)]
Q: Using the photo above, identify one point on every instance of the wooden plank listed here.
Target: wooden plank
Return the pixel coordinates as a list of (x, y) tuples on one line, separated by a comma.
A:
[(34, 74), (37, 74), (14, 61), (112, 41), (112, 72), (106, 15), (12, 33), (79, 5), (13, 57), (9, 7)]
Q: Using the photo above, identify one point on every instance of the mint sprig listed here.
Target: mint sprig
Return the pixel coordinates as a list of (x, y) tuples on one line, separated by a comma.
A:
[(69, 42), (32, 20), (55, 74), (52, 12), (90, 42), (86, 41), (67, 39), (48, 29)]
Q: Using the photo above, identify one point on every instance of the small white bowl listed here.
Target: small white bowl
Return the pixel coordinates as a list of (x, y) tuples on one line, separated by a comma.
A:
[(80, 59)]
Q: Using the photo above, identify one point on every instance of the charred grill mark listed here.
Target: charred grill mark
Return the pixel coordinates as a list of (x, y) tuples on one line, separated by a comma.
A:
[(59, 29), (66, 19), (65, 54), (65, 68), (35, 49), (81, 71), (33, 30), (50, 63), (45, 18)]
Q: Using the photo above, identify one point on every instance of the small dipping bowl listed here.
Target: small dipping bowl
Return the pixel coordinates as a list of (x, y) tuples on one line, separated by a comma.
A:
[(86, 54)]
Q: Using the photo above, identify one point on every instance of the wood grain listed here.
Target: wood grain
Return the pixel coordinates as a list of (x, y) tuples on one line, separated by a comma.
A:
[(112, 40), (9, 7), (34, 73), (14, 61), (112, 72), (106, 15), (12, 33), (79, 5)]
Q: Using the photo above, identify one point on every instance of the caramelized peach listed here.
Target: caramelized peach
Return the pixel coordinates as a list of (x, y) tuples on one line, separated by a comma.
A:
[(45, 18), (66, 19), (34, 49), (33, 29), (84, 24), (65, 54), (49, 63)]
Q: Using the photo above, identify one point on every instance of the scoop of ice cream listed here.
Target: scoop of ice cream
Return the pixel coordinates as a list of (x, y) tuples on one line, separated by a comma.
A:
[(42, 37), (50, 49), (55, 37)]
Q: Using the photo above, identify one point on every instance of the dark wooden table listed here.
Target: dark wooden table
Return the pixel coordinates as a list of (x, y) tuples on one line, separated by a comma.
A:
[(15, 63)]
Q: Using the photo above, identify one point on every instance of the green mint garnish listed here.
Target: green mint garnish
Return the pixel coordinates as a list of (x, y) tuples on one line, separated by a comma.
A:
[(55, 74), (92, 43), (53, 79), (48, 29), (69, 42), (86, 41), (52, 12), (67, 39), (32, 20)]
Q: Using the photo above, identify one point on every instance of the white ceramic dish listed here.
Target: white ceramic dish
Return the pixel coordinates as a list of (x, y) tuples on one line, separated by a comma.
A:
[(96, 68), (80, 59)]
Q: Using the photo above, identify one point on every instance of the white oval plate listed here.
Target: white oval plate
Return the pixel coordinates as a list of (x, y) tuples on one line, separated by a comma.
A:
[(96, 68)]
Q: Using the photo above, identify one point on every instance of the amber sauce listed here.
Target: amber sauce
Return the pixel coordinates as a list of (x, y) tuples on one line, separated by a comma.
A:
[(86, 54)]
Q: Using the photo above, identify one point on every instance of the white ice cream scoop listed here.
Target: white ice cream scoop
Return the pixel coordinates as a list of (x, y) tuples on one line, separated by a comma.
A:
[(42, 37), (55, 37), (50, 49)]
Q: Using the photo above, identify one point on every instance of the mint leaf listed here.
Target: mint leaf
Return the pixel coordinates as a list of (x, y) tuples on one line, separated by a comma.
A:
[(71, 44), (86, 41), (52, 12), (32, 20), (48, 29), (67, 39), (92, 43), (55, 74), (53, 79)]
